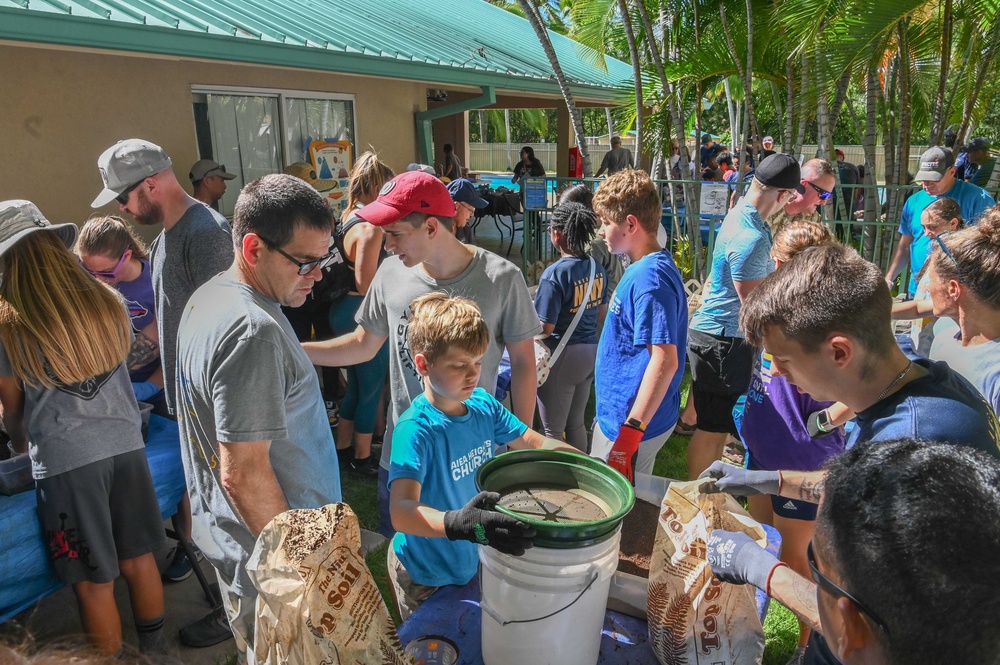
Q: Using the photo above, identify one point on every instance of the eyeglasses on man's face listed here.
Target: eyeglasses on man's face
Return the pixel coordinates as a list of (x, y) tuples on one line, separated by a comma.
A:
[(305, 267), (123, 197), (826, 584)]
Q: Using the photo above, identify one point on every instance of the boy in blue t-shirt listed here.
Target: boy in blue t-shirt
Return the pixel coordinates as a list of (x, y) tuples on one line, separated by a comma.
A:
[(639, 368), (439, 443)]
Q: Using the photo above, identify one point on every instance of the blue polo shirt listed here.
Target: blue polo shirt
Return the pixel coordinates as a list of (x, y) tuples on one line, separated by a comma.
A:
[(973, 200), (742, 253)]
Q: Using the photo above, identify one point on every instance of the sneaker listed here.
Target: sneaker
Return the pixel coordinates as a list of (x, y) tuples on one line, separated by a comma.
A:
[(179, 569), (207, 631), (344, 457), (798, 656), (366, 467), (332, 413)]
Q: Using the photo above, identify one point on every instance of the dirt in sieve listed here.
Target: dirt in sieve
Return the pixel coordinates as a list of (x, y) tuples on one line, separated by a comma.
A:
[(638, 536)]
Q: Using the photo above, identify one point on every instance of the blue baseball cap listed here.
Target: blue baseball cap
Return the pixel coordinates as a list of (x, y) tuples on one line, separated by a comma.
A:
[(462, 190)]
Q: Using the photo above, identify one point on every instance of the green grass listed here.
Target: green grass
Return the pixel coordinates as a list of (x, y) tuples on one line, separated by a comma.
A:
[(780, 627)]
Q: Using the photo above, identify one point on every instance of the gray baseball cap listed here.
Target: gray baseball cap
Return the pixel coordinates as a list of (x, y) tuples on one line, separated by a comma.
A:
[(934, 163), (206, 167), (18, 218), (126, 163)]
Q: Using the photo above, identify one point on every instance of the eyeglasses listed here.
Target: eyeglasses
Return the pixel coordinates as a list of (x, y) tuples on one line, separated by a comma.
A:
[(823, 194), (939, 239), (123, 197), (305, 267), (112, 274), (827, 585)]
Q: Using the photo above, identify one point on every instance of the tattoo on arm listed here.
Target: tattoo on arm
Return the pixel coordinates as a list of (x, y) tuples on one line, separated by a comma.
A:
[(812, 490), (144, 351), (805, 595)]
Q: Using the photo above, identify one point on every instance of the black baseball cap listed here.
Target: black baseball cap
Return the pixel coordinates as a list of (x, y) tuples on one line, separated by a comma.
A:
[(781, 171)]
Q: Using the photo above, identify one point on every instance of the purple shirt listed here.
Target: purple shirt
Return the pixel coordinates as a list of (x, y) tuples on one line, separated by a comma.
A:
[(774, 424), (141, 304)]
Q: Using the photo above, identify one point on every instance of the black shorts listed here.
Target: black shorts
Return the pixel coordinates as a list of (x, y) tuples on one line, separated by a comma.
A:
[(721, 368), (99, 514)]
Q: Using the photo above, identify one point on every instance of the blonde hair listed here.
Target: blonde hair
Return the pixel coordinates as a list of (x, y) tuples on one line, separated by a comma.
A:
[(441, 322), (58, 324), (367, 178), (797, 236), (629, 192), (109, 236)]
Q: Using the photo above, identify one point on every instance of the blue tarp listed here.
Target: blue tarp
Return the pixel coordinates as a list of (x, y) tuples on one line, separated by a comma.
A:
[(25, 573)]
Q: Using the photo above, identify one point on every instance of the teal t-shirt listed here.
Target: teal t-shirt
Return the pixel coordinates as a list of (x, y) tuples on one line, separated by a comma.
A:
[(443, 453), (973, 200)]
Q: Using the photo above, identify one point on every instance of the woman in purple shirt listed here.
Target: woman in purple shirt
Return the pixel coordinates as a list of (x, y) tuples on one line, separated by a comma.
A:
[(783, 428)]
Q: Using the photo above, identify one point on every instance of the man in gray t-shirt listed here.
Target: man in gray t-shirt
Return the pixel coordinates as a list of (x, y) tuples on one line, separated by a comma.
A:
[(416, 211), (256, 437), (195, 243), (617, 159)]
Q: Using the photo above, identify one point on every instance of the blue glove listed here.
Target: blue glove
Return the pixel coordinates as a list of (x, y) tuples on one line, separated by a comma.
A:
[(145, 391), (739, 481), (735, 557)]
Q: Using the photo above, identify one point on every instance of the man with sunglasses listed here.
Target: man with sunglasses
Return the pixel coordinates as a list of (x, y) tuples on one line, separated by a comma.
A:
[(256, 437), (888, 585), (194, 245), (824, 318), (815, 189), (937, 178), (208, 180)]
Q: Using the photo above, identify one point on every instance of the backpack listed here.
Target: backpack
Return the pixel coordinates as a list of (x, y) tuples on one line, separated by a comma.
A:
[(338, 277)]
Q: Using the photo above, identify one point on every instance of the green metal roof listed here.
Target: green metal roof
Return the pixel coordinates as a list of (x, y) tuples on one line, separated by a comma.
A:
[(463, 42)]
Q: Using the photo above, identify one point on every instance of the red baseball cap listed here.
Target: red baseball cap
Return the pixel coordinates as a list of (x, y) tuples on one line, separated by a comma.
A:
[(412, 191)]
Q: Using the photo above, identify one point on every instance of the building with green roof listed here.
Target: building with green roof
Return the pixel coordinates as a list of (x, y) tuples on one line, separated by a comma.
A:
[(248, 83)]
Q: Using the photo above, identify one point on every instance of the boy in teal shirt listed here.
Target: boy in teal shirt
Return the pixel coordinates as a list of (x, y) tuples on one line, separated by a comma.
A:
[(439, 443)]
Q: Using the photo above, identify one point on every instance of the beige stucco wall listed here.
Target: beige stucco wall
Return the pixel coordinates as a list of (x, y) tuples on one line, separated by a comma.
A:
[(59, 109)]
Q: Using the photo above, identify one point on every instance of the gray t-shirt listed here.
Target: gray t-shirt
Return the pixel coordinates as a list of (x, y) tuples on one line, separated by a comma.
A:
[(617, 159), (242, 376), (979, 364), (494, 283), (198, 247), (74, 425)]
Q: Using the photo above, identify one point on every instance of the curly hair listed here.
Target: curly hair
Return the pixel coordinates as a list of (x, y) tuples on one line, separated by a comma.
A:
[(577, 224)]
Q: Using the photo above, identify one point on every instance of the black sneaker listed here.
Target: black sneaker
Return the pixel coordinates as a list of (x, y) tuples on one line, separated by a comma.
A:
[(366, 467), (207, 631), (344, 457)]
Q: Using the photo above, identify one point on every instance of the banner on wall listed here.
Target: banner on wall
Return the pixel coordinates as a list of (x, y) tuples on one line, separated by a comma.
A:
[(332, 161)]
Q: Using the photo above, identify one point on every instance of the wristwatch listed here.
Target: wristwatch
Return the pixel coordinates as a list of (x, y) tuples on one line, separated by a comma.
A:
[(636, 423), (823, 422)]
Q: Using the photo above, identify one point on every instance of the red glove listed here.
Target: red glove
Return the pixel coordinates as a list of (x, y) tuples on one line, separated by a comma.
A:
[(624, 452)]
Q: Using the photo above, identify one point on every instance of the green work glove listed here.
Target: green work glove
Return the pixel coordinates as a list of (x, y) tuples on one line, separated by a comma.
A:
[(479, 523), (739, 481)]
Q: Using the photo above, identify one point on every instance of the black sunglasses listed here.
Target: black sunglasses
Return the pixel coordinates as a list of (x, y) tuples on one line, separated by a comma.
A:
[(827, 585), (944, 248), (823, 194), (123, 197), (305, 267)]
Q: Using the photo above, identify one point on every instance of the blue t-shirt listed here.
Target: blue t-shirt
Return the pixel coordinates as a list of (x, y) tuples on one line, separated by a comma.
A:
[(774, 424), (442, 453), (560, 293), (941, 406), (141, 304), (742, 253), (649, 306), (973, 201)]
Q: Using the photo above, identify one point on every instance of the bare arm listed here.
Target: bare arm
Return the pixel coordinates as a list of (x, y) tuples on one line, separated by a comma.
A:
[(145, 348), (350, 349), (900, 258), (534, 440), (12, 400), (655, 381), (797, 594), (743, 288), (547, 330), (805, 485), (602, 313), (248, 478), (411, 516), (367, 248), (912, 309), (523, 380), (839, 413)]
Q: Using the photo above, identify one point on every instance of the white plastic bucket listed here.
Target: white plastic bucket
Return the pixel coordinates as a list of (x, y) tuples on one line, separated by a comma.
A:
[(546, 607)]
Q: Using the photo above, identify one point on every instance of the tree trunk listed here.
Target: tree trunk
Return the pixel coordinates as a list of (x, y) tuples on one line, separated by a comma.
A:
[(611, 122), (506, 127), (938, 120), (482, 125), (733, 127), (870, 233), (800, 137), (985, 62), (788, 138), (535, 19), (636, 74), (905, 113), (746, 74)]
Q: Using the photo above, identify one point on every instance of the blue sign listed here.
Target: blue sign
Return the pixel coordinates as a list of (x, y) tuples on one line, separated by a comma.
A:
[(535, 194)]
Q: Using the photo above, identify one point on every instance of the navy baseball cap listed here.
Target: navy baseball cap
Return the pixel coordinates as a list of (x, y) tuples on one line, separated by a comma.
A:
[(462, 190)]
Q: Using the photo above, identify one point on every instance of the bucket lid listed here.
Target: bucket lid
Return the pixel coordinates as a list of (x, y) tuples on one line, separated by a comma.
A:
[(571, 500)]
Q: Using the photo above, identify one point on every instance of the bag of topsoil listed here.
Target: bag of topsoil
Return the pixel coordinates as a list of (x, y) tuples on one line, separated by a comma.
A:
[(318, 602), (694, 618)]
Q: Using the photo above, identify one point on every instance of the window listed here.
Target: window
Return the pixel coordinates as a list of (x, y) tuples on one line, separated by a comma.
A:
[(256, 132)]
